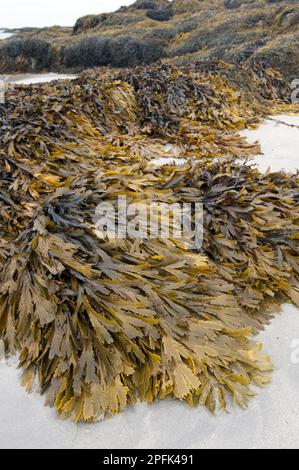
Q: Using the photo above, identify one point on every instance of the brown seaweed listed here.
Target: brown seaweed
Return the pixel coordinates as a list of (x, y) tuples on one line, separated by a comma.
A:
[(101, 323)]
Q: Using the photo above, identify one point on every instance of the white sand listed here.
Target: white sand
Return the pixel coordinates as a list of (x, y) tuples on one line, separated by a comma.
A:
[(279, 140), (167, 161), (271, 421), (280, 143), (28, 79)]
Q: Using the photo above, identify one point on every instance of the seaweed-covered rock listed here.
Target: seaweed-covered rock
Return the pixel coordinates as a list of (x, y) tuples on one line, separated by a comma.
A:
[(87, 22), (88, 52), (119, 51), (28, 54), (131, 52), (99, 22), (234, 30), (160, 15), (149, 4), (231, 4)]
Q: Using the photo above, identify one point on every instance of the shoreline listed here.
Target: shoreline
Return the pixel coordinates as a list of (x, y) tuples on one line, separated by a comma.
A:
[(31, 79)]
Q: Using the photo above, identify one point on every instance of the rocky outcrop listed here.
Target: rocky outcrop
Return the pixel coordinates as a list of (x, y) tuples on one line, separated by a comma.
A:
[(150, 30), (26, 55)]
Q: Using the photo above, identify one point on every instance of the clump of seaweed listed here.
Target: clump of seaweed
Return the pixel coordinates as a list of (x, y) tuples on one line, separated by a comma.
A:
[(101, 322)]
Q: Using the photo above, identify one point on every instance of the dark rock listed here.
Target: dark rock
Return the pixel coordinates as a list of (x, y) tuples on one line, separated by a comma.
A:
[(134, 52), (148, 4), (31, 54), (232, 4), (160, 15), (87, 52), (119, 52), (234, 30)]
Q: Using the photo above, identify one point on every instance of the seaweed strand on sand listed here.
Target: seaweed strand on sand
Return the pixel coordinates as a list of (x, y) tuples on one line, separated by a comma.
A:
[(99, 323)]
